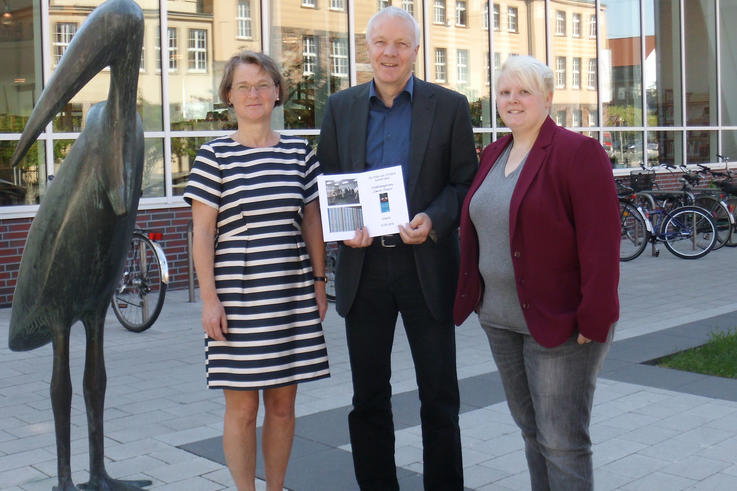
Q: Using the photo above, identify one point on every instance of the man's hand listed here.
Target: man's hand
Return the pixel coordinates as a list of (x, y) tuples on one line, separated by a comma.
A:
[(416, 231), (360, 239)]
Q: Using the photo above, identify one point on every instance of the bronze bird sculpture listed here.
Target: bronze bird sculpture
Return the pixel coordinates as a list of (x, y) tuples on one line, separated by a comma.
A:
[(78, 240)]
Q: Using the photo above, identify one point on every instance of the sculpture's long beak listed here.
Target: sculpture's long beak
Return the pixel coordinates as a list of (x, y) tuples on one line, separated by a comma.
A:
[(96, 44)]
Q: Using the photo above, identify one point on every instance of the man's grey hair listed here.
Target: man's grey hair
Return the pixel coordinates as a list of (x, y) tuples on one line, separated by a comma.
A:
[(395, 12)]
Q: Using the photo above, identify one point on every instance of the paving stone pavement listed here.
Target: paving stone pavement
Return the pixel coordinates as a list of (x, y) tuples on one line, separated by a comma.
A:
[(653, 429)]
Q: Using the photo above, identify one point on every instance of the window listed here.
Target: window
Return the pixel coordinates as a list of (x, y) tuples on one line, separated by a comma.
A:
[(576, 73), (560, 72), (460, 13), (339, 57), (496, 17), (309, 55), (462, 66), (309, 3), (157, 47), (440, 65), (592, 26), (337, 4), (497, 62), (487, 69), (408, 6), (172, 49), (512, 19), (62, 37), (593, 118), (197, 52), (485, 17), (243, 19), (560, 117), (438, 10), (384, 4), (576, 25), (591, 82), (560, 23), (576, 115)]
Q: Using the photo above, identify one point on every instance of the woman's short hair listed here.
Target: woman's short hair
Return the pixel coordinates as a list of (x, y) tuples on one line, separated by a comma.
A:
[(266, 63), (530, 72), (396, 12)]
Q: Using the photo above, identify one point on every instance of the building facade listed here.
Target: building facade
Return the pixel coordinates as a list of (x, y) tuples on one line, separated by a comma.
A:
[(652, 80)]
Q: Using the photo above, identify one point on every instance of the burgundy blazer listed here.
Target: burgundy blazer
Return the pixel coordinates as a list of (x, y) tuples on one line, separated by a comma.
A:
[(564, 234)]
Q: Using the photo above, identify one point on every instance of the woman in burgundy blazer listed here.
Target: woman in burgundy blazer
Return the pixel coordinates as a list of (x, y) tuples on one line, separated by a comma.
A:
[(563, 232)]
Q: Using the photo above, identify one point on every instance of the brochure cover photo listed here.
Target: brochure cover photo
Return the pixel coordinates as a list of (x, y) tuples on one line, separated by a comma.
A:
[(373, 199)]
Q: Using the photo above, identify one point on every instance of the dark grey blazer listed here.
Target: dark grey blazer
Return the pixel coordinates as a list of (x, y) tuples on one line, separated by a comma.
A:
[(443, 162)]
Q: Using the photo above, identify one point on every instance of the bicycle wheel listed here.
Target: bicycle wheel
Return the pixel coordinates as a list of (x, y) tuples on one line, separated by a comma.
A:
[(732, 207), (331, 259), (635, 235), (138, 299), (689, 232), (721, 217)]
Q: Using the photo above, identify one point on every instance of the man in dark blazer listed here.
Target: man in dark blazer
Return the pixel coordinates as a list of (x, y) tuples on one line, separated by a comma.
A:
[(397, 119)]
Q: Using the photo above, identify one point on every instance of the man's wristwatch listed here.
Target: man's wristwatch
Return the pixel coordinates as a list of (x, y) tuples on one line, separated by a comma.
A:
[(324, 279)]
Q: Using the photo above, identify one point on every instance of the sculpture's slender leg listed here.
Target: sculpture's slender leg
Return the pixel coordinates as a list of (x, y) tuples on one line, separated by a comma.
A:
[(95, 383), (61, 404)]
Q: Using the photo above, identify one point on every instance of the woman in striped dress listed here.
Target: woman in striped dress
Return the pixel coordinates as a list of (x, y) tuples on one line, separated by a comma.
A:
[(260, 262)]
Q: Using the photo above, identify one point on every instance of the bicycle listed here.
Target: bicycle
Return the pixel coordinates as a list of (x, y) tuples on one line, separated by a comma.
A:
[(636, 228), (687, 230), (139, 297)]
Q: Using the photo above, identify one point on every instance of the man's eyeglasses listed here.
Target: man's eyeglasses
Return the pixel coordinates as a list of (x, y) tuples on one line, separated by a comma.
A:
[(261, 88)]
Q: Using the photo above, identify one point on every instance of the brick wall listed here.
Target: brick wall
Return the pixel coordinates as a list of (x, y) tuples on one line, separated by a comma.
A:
[(171, 222)]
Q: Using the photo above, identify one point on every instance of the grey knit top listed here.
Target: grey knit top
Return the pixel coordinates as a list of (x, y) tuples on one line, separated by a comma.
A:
[(489, 212)]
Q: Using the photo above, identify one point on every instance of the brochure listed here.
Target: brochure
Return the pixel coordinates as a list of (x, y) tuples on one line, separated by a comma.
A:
[(373, 199)]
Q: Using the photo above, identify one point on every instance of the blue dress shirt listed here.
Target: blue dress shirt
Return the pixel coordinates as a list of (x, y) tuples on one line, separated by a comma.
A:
[(388, 130)]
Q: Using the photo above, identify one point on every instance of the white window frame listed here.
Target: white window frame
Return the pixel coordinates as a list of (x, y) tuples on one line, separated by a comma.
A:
[(197, 51), (461, 13), (339, 57), (591, 75), (576, 25), (560, 23), (311, 4), (560, 72), (438, 11), (512, 19), (309, 55), (172, 49), (592, 25), (337, 4), (462, 68), (63, 34), (485, 16), (441, 65), (575, 72), (576, 118), (497, 16), (243, 20), (409, 6)]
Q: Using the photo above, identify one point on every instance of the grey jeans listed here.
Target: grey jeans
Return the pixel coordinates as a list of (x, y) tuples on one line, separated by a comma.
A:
[(550, 392)]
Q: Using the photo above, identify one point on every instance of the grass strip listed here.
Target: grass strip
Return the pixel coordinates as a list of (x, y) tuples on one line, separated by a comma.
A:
[(716, 357)]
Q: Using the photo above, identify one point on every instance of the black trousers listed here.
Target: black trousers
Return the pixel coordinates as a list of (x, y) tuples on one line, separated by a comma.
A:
[(390, 286)]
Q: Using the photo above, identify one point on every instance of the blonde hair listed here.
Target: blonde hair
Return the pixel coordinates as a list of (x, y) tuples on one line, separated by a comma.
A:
[(531, 73)]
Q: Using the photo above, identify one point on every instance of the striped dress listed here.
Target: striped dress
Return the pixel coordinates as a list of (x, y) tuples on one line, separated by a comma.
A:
[(263, 274)]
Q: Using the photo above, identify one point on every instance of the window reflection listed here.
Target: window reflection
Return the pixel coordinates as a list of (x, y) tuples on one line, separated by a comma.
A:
[(311, 45), (25, 183), (700, 69), (663, 62), (65, 19), (197, 52), (183, 152)]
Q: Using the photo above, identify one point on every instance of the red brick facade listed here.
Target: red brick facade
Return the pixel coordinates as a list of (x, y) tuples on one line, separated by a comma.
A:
[(172, 222)]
